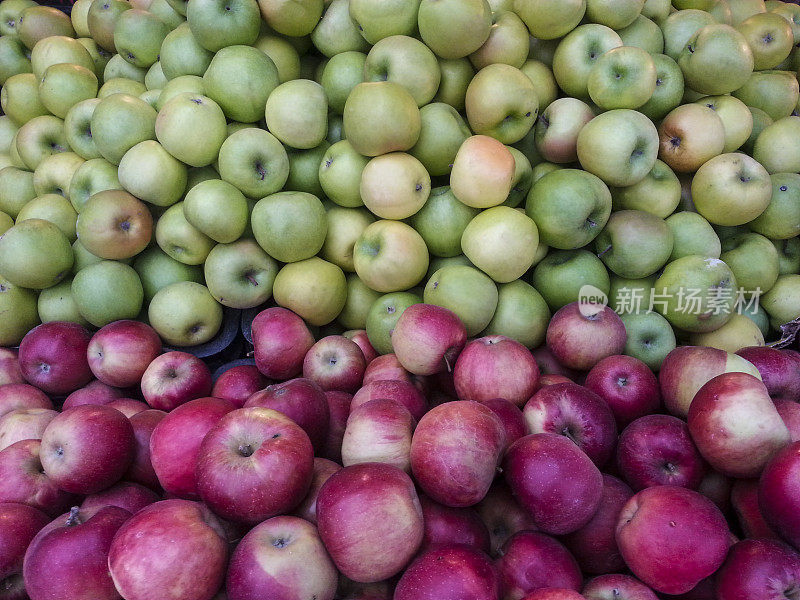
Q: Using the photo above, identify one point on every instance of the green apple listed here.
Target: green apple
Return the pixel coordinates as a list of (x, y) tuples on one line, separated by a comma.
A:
[(345, 226), (613, 13), (358, 303), (35, 254), (761, 121), (297, 113), (191, 127), (543, 81), (281, 51), (54, 174), (121, 85), (340, 174), (441, 135), (483, 172), (179, 85), (340, 75), (166, 13), (456, 76), (650, 338), (776, 148), (185, 314), (155, 78), (737, 120), (156, 269), (216, 25), (19, 98), (217, 209), (690, 136), (383, 315), (716, 60), (680, 26), (521, 314), (406, 61), (79, 16), (501, 242), (507, 43), (100, 56), (6, 222), (114, 225), (623, 77), (119, 122), (58, 304), (628, 296), (102, 18), (788, 255), (438, 262), (36, 23), (119, 68), (556, 130), (693, 235), (454, 28), (550, 19), (570, 207), (522, 181), (743, 9), (390, 256), (669, 88), (313, 288), (619, 146), (9, 14), (290, 226), (304, 169), (78, 129), (150, 173), (337, 32), (731, 189), (16, 190), (180, 239), (181, 54), (14, 57), (39, 138), (138, 35), (753, 260), (756, 314), (577, 52), (769, 36), (634, 243), (561, 274), (467, 292), (643, 33), (376, 21), (295, 18), (54, 208), (19, 307), (254, 161), (179, 6), (782, 302), (381, 117), (781, 219), (59, 49), (64, 85), (394, 185), (659, 193), (93, 176), (774, 92), (240, 275), (441, 222)]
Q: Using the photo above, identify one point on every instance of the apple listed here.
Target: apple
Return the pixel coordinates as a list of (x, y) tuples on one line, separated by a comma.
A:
[(483, 172), (174, 378), (254, 161), (397, 390), (217, 209), (290, 226), (427, 339), (340, 174), (445, 526), (557, 128), (377, 22), (149, 172), (777, 499), (181, 54), (339, 410), (238, 383), (387, 367), (756, 569), (192, 535), (690, 135), (554, 480), (453, 29), (466, 291), (41, 247), (623, 77), (323, 469), (337, 32), (580, 336), (360, 337), (379, 431), (771, 143), (613, 587), (128, 406), (20, 524), (313, 288), (553, 594), (120, 352), (789, 411), (141, 469), (126, 495), (24, 424), (22, 396), (291, 19), (627, 385), (52, 356), (448, 573), (94, 392), (548, 19), (511, 417), (778, 370), (335, 363), (553, 565), (576, 54), (258, 452), (744, 500), (118, 123), (503, 516), (778, 221), (281, 340), (701, 60), (9, 367)]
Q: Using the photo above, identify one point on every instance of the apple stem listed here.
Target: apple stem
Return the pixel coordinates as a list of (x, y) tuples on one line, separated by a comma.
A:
[(74, 516), (600, 254)]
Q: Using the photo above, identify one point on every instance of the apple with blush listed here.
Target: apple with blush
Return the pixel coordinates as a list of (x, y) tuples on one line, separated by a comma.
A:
[(779, 494), (128, 406), (359, 336), (744, 499), (335, 363), (379, 431), (503, 516), (553, 379), (789, 411), (174, 378), (580, 336), (627, 385), (338, 411), (52, 356), (141, 469), (445, 526), (119, 352), (281, 340), (124, 494), (9, 367), (549, 364), (25, 481), (511, 416), (387, 367), (427, 339), (617, 587), (758, 569), (238, 383), (554, 594), (95, 392), (19, 524), (323, 469), (15, 396), (779, 371), (400, 391), (24, 424)]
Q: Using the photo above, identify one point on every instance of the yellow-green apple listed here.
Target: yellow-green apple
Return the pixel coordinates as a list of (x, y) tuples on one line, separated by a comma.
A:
[(773, 146), (217, 209), (611, 14), (483, 172), (442, 132), (180, 239), (576, 54), (151, 174), (177, 85), (16, 189), (78, 130), (118, 123), (406, 61), (456, 75), (19, 98), (390, 256), (669, 88), (627, 385), (781, 302), (54, 208), (54, 174), (634, 243), (769, 36), (335, 363), (623, 77), (378, 431), (693, 234), (548, 19), (281, 340), (100, 56), (164, 10), (453, 29), (297, 113), (156, 269), (181, 54), (561, 274), (340, 174), (58, 304), (10, 14), (394, 185), (337, 32), (117, 68), (543, 80), (39, 138), (138, 35), (35, 254), (216, 25), (58, 49), (345, 225), (376, 22), (63, 85), (556, 130), (522, 181), (737, 120), (740, 252), (781, 219), (21, 304), (774, 92), (689, 136), (184, 117), (185, 314), (466, 291), (120, 352), (101, 20), (24, 424), (643, 33), (240, 275), (581, 335), (114, 224), (340, 75), (507, 42), (313, 288), (382, 317), (294, 19), (254, 161), (521, 314), (35, 23), (716, 60), (658, 193), (107, 291), (20, 524)]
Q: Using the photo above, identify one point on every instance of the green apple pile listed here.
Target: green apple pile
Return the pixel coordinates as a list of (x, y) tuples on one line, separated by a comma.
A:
[(346, 159)]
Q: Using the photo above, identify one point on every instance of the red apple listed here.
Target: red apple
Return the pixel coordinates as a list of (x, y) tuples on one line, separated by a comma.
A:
[(502, 515), (281, 340), (282, 558), (627, 385), (25, 481), (95, 392), (661, 527), (455, 452), (427, 339), (546, 380), (554, 594), (52, 356), (323, 469), (789, 410), (120, 352), (554, 480), (87, 448), (454, 572), (779, 371), (735, 425), (141, 469), (530, 561), (580, 336), (744, 498), (335, 363), (717, 487), (69, 557), (759, 570), (339, 411), (511, 416), (125, 494), (370, 519), (445, 526), (238, 383), (549, 365), (658, 450), (175, 443), (359, 336), (403, 392), (496, 366), (258, 454), (9, 367), (24, 424), (14, 396), (594, 545), (19, 524), (617, 587), (174, 378), (128, 406), (576, 413), (386, 368), (188, 534), (779, 494), (379, 431)]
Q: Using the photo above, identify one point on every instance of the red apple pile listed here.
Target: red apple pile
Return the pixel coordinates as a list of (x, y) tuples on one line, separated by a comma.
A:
[(450, 469)]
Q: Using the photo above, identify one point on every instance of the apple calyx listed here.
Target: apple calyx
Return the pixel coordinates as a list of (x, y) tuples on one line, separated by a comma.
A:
[(74, 517)]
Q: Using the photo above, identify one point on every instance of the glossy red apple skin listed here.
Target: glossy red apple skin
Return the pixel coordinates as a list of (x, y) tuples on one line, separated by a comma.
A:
[(658, 450), (141, 469), (52, 356), (185, 531), (19, 524), (24, 424), (495, 366), (303, 401), (69, 557), (531, 560), (553, 594), (175, 443), (789, 411), (335, 363), (779, 372), (282, 558), (580, 341), (370, 520), (627, 385), (323, 469), (511, 416), (9, 367), (594, 545), (554, 480), (338, 411), (24, 480), (759, 570), (95, 392), (744, 499), (281, 340), (359, 336), (238, 383), (174, 378), (427, 339), (119, 352), (617, 587), (15, 396), (379, 431), (128, 406), (660, 526), (446, 468), (388, 367), (455, 572), (258, 454), (125, 494), (403, 392), (578, 414), (445, 526), (503, 516), (735, 425), (779, 494)]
